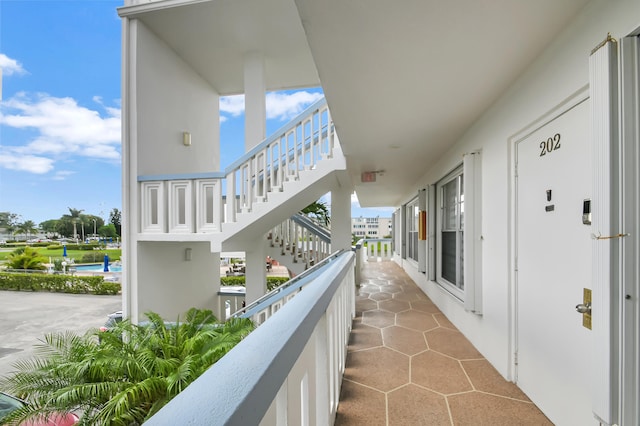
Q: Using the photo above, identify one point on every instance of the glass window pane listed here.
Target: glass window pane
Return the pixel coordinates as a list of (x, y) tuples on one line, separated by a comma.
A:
[(449, 256), (449, 201)]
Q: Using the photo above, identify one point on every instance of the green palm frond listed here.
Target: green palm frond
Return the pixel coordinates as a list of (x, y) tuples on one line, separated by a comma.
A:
[(123, 376)]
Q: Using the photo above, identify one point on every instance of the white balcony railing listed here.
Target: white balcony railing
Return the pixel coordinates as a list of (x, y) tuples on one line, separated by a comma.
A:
[(286, 372), (200, 203), (378, 249)]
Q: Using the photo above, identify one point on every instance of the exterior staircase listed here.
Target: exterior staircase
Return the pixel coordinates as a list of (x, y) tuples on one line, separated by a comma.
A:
[(299, 243), (286, 172)]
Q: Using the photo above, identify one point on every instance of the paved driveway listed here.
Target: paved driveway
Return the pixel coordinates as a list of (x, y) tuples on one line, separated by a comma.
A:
[(26, 317)]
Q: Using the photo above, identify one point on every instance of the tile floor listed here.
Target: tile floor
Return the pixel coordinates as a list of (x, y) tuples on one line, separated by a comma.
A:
[(408, 365)]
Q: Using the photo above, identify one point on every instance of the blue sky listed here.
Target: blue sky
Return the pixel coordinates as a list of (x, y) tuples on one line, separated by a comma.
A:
[(60, 109)]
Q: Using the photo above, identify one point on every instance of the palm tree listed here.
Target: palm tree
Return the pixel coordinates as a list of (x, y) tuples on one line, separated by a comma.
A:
[(25, 258), (75, 216), (27, 228), (128, 375), (318, 210)]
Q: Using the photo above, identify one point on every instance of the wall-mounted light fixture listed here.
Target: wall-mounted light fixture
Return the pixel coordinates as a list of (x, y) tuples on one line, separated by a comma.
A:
[(186, 138), (187, 254)]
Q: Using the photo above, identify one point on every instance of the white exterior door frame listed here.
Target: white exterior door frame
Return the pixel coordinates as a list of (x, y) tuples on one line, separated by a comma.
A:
[(551, 253), (629, 202)]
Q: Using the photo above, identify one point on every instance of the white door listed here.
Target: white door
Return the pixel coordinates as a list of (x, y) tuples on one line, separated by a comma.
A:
[(553, 267)]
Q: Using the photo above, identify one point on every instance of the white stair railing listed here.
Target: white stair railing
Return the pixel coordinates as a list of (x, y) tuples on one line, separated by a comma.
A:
[(302, 238), (192, 203)]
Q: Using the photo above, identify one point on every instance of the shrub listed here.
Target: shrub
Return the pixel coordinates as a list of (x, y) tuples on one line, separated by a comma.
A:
[(92, 257), (272, 282), (57, 283)]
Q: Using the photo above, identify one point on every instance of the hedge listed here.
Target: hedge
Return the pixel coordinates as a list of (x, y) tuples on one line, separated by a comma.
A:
[(272, 282), (57, 283), (84, 247)]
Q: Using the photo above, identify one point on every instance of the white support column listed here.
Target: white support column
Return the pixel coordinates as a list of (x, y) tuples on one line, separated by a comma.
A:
[(256, 274), (341, 218), (255, 110)]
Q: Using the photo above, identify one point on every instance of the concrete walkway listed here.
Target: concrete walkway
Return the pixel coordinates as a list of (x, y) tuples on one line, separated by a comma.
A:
[(408, 365)]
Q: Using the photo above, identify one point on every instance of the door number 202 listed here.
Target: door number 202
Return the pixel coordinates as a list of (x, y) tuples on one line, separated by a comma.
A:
[(550, 144)]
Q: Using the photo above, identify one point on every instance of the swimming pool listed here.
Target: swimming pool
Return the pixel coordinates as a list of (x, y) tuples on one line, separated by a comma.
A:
[(98, 268)]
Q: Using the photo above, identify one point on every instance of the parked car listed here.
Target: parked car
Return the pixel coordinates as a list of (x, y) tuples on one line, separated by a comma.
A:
[(112, 319), (9, 404)]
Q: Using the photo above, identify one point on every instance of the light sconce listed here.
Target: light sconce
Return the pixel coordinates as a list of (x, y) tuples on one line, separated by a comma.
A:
[(187, 254), (186, 138)]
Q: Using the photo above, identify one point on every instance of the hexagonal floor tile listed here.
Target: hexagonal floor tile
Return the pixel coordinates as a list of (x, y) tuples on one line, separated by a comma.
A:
[(378, 318), (404, 340), (416, 320), (426, 306), (380, 296), (407, 297), (380, 368), (486, 378), (439, 373), (444, 321), (390, 288), (360, 405), (394, 305), (366, 305), (412, 405), (452, 343), (467, 408), (363, 337)]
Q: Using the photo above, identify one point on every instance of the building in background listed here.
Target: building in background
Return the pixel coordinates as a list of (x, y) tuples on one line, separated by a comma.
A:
[(371, 227)]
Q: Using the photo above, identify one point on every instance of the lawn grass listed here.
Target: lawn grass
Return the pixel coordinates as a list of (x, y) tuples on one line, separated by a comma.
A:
[(114, 254)]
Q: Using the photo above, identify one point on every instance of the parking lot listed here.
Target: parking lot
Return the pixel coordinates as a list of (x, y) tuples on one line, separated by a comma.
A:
[(26, 317)]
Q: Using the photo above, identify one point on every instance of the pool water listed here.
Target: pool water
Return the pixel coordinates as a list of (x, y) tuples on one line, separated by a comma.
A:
[(98, 268)]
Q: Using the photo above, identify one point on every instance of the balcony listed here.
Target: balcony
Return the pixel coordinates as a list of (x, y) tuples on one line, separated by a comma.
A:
[(403, 362), (192, 207)]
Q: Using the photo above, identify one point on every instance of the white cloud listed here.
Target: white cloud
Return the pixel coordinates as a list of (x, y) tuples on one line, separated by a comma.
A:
[(280, 106), (233, 105), (286, 106), (63, 174), (10, 66), (25, 163), (63, 128)]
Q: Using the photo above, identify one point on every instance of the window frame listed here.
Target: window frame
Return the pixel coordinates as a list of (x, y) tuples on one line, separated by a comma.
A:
[(457, 289), (411, 220)]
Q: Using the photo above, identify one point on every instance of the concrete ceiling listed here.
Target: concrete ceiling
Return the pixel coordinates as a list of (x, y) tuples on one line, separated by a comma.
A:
[(214, 36), (403, 79)]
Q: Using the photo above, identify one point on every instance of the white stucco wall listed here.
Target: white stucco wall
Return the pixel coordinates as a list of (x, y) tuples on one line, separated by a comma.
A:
[(558, 73), (169, 285), (173, 99)]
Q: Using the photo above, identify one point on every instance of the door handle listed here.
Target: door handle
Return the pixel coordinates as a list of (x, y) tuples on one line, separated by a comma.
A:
[(584, 308)]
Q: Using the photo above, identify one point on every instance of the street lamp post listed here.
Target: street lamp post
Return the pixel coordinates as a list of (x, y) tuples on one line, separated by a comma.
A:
[(94, 227)]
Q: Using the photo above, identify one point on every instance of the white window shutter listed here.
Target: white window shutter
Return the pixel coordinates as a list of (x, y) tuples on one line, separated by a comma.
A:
[(472, 239)]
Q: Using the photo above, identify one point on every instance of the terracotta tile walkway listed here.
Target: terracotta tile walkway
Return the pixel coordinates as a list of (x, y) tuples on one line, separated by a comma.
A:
[(408, 365)]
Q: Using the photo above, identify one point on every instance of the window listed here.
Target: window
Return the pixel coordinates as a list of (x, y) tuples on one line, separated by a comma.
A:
[(459, 233), (412, 229), (451, 232)]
